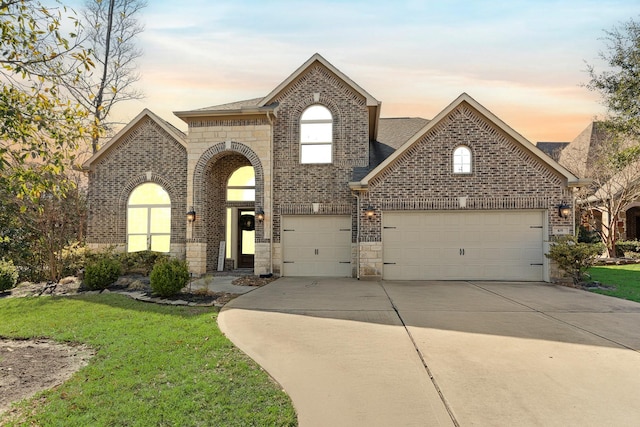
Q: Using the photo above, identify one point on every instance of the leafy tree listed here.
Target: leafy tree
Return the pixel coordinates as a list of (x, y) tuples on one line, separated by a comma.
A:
[(37, 122), (619, 86), (613, 163), (111, 29), (35, 231)]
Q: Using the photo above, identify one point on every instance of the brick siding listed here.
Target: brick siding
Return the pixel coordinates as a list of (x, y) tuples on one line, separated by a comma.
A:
[(146, 154)]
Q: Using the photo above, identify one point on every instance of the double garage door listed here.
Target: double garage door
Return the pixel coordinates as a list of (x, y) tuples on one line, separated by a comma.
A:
[(480, 245), (316, 246)]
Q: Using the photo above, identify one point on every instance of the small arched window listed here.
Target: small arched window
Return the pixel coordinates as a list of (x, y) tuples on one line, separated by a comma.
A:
[(149, 219), (462, 160), (316, 135)]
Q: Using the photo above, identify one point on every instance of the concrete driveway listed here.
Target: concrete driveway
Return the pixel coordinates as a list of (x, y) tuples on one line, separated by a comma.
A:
[(352, 353)]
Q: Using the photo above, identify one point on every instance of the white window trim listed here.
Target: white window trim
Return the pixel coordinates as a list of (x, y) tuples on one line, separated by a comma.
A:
[(149, 208), (454, 163), (319, 143)]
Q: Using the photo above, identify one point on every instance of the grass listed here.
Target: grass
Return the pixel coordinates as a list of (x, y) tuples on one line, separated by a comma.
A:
[(625, 278), (154, 366)]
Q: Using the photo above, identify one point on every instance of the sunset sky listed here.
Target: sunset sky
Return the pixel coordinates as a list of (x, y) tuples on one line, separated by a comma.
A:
[(523, 60)]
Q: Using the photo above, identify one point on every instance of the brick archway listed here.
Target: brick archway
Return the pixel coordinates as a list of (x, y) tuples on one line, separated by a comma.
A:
[(210, 177)]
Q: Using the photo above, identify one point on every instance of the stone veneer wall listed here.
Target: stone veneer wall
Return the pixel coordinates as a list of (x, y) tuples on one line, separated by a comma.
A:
[(146, 154), (504, 176), (216, 148)]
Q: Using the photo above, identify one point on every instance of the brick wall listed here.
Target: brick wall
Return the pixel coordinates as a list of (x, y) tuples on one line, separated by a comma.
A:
[(504, 175), (145, 154), (296, 186)]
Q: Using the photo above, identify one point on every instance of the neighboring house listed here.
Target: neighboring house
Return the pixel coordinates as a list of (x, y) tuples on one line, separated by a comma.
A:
[(552, 149), (579, 157), (310, 181)]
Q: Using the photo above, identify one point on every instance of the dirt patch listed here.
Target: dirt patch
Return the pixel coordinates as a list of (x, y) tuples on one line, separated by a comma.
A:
[(30, 366)]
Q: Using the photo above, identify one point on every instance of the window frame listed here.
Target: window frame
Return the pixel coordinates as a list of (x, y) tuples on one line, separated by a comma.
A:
[(149, 207), (458, 160), (303, 144), (241, 187)]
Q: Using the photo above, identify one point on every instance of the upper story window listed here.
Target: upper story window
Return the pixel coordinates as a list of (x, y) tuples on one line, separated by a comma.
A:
[(242, 185), (462, 160), (149, 219), (316, 135)]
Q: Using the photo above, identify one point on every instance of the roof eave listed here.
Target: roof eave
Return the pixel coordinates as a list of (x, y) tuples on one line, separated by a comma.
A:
[(245, 111)]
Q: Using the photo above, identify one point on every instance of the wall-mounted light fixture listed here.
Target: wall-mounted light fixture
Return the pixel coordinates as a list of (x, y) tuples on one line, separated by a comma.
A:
[(191, 215), (564, 210), (369, 212), (260, 215)]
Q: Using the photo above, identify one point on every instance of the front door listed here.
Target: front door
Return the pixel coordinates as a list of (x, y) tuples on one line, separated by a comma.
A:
[(246, 238)]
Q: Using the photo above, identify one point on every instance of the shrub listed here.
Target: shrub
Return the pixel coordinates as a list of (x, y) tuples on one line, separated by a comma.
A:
[(8, 275), (628, 248), (169, 276), (101, 273), (141, 262), (74, 257), (574, 257)]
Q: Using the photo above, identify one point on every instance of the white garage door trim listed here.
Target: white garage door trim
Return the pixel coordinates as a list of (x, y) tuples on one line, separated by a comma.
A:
[(464, 245), (316, 245)]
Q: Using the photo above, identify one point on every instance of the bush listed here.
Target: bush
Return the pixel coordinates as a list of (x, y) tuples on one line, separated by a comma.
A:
[(574, 257), (101, 273), (8, 275), (141, 262), (169, 276), (74, 257), (628, 248)]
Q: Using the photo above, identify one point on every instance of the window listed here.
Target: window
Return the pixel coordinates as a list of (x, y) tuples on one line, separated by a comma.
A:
[(242, 185), (149, 219), (462, 160), (316, 135)]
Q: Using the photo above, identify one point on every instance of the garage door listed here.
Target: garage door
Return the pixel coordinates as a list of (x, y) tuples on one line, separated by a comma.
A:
[(316, 246), (484, 245)]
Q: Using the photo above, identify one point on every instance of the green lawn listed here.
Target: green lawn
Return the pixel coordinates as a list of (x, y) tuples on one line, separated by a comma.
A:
[(154, 366), (625, 278)]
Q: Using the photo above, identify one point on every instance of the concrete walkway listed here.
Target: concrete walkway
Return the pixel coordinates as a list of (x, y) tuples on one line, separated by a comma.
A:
[(353, 353)]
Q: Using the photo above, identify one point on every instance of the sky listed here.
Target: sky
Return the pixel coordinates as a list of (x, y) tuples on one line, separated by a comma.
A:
[(523, 60)]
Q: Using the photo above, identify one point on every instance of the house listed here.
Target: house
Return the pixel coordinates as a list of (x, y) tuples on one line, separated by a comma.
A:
[(580, 157), (309, 180)]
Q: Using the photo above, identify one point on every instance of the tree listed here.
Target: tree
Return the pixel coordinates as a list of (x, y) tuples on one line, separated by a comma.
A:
[(614, 163), (37, 122), (614, 171), (34, 232), (112, 26), (619, 86)]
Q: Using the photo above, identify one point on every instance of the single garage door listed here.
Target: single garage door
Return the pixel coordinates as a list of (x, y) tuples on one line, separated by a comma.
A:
[(316, 246), (479, 245)]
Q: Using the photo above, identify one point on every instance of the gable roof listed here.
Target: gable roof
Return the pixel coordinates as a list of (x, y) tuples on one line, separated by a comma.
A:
[(372, 103), (174, 132), (572, 180), (578, 155)]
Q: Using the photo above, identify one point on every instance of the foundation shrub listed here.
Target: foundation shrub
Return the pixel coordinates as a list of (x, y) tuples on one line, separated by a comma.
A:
[(101, 273), (168, 277), (574, 257)]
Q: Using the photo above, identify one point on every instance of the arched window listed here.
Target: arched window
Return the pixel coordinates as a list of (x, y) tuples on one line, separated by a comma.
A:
[(242, 185), (149, 219), (462, 160), (316, 135)]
